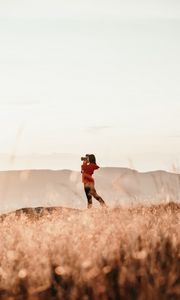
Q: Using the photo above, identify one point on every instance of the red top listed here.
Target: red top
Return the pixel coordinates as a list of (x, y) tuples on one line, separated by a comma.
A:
[(87, 170)]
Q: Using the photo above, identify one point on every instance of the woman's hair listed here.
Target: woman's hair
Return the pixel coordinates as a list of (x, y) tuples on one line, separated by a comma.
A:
[(92, 158)]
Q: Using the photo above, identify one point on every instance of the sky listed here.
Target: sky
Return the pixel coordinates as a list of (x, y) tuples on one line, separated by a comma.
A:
[(97, 77)]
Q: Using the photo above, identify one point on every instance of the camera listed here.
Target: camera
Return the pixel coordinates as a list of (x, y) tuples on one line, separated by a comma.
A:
[(85, 158)]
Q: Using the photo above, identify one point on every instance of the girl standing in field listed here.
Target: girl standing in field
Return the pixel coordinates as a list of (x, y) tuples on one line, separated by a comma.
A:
[(87, 169)]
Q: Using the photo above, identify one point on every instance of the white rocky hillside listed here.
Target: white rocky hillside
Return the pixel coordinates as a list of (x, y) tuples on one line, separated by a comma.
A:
[(32, 188)]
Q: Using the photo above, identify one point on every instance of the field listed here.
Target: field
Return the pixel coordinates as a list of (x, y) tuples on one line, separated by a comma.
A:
[(122, 253)]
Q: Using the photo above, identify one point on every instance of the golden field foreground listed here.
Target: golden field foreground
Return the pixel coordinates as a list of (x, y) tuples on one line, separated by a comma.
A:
[(121, 253)]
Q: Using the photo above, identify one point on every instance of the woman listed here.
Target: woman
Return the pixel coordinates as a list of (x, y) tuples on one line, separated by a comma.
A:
[(87, 169)]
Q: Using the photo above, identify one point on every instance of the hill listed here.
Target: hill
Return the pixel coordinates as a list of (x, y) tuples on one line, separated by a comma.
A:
[(32, 188)]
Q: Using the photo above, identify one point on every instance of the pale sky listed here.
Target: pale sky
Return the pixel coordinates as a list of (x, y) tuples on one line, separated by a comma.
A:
[(99, 76)]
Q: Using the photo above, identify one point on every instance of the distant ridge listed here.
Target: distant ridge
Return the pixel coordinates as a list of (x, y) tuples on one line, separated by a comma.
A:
[(34, 188)]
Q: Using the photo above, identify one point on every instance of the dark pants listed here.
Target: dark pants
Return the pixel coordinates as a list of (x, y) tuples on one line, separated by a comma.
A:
[(91, 192)]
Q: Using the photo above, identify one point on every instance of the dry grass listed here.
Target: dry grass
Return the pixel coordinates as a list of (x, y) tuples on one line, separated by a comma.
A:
[(122, 253)]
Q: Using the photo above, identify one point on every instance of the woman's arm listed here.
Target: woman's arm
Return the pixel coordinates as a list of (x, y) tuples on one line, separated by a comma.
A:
[(84, 166), (88, 168)]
